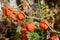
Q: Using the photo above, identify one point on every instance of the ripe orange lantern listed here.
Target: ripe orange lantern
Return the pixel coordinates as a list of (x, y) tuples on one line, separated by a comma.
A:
[(54, 38), (21, 16), (30, 26), (44, 24), (6, 11), (24, 37), (23, 30)]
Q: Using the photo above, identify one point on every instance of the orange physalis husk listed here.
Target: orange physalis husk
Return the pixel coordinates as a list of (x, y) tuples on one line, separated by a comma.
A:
[(24, 37), (21, 16), (6, 11)]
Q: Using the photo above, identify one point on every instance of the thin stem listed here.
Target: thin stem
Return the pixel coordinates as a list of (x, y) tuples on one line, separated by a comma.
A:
[(20, 5), (39, 5), (47, 16), (53, 20), (53, 30), (38, 18), (33, 17), (16, 8), (31, 8)]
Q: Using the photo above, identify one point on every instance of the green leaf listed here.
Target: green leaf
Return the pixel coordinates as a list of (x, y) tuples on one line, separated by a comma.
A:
[(18, 31), (44, 34), (18, 34), (35, 35), (26, 20), (30, 38), (18, 28)]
